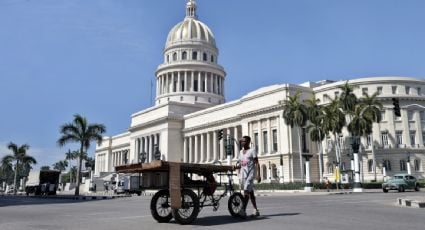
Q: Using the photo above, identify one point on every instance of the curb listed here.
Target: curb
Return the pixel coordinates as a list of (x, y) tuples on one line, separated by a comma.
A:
[(410, 203)]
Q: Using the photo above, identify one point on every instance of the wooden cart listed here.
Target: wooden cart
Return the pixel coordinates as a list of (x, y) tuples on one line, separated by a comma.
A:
[(182, 198)]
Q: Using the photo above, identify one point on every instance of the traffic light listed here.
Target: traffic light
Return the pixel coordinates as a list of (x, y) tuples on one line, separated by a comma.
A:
[(396, 107), (220, 134)]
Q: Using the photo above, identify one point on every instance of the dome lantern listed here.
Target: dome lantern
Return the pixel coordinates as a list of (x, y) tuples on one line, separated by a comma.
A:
[(191, 9)]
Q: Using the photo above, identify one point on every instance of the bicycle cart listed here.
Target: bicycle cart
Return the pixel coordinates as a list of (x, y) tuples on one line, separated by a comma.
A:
[(179, 196)]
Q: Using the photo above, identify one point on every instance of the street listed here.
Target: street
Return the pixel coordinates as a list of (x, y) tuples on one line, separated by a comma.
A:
[(374, 210)]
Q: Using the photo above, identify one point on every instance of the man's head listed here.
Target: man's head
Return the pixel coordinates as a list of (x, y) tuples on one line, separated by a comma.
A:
[(245, 142)]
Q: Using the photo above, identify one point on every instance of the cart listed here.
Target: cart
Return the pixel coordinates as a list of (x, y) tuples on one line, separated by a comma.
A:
[(179, 196)]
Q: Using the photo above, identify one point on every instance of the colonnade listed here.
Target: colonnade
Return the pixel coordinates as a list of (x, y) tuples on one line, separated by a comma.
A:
[(120, 157), (189, 81), (146, 145)]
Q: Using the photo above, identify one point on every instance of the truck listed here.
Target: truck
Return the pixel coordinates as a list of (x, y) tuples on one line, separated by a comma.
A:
[(129, 184), (44, 182)]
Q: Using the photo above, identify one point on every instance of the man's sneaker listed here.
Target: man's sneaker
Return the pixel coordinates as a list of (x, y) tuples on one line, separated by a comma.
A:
[(242, 213), (256, 212)]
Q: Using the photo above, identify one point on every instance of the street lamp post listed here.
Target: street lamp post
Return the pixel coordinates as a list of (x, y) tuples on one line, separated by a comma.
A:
[(355, 144), (308, 185)]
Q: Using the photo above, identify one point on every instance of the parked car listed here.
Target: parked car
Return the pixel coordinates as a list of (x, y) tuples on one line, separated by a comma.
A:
[(401, 182)]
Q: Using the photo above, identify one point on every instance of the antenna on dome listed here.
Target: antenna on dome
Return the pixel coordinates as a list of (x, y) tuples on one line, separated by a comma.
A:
[(191, 9)]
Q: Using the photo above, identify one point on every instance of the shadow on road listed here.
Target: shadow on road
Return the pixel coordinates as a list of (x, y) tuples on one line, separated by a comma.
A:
[(226, 219), (35, 200)]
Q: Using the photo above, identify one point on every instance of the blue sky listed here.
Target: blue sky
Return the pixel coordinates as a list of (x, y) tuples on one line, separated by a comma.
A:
[(98, 57)]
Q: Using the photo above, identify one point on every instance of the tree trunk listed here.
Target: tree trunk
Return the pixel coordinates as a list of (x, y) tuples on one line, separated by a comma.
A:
[(301, 154), (373, 158), (319, 145), (80, 160), (15, 178)]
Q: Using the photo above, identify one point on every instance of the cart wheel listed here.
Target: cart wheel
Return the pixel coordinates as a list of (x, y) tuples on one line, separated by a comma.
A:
[(160, 206), (190, 208), (235, 204)]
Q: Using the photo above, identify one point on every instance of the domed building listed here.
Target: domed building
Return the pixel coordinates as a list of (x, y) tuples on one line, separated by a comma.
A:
[(190, 111)]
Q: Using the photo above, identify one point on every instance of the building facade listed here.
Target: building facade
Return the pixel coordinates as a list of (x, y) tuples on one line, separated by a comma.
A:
[(190, 110)]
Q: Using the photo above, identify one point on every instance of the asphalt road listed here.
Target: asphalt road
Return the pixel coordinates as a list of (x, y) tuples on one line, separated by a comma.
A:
[(278, 211)]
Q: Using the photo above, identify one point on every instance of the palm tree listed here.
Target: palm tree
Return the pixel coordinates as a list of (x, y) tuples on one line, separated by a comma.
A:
[(69, 156), (372, 108), (295, 115), (333, 123), (20, 157), (347, 99), (60, 165), (6, 170), (82, 132), (315, 115)]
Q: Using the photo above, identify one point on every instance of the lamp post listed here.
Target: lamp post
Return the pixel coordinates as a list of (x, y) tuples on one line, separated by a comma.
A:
[(408, 164), (355, 144), (308, 185)]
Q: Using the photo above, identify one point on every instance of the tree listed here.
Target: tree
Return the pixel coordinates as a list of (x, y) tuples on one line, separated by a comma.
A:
[(315, 116), (295, 115), (80, 131), (45, 168), (19, 155), (60, 165), (372, 108), (6, 170), (348, 100), (69, 156)]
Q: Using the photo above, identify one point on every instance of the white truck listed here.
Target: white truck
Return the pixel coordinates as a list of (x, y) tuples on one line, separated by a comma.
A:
[(42, 182), (129, 184)]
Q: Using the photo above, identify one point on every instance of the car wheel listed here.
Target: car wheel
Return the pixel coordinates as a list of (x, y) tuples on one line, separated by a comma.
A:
[(385, 190), (417, 188), (401, 188)]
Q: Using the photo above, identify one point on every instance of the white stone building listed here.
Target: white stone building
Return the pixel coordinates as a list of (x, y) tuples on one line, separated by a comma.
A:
[(190, 109)]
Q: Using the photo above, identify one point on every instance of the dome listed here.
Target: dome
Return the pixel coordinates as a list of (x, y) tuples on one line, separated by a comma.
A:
[(190, 30)]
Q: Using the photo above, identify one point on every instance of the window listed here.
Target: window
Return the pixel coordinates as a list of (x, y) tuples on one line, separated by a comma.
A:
[(212, 58), (274, 133), (336, 94), (384, 139), (369, 140), (419, 91), (184, 55), (330, 168), (175, 86), (402, 165), (364, 91), (182, 85), (394, 89), (383, 115), (168, 58), (265, 143), (256, 142), (379, 90), (204, 57), (422, 115), (423, 137), (412, 138), (174, 56), (407, 89), (417, 164), (194, 55), (387, 165), (343, 166), (341, 140), (410, 115), (399, 137), (325, 98), (370, 165), (195, 87)]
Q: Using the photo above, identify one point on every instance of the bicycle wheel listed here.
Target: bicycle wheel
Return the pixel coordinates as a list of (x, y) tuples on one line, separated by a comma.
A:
[(160, 206), (235, 204), (189, 209)]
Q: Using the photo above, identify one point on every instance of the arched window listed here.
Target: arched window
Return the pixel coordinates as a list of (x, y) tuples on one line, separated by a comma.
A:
[(174, 56), (194, 55), (168, 58), (387, 165), (264, 172), (204, 57), (184, 55), (370, 165), (212, 58)]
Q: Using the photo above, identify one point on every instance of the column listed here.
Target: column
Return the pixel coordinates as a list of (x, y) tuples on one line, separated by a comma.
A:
[(221, 149), (269, 137), (199, 81), (215, 147), (185, 152), (202, 149), (157, 86), (206, 82), (196, 149), (211, 83), (260, 139), (191, 158), (208, 147), (236, 146), (166, 83), (228, 157), (179, 89), (192, 80), (185, 82)]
